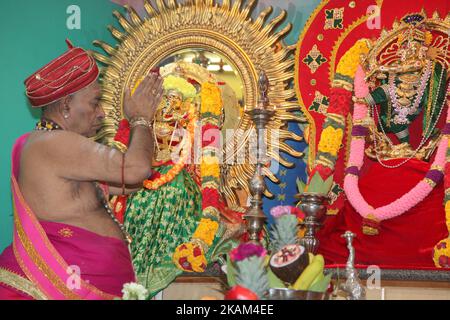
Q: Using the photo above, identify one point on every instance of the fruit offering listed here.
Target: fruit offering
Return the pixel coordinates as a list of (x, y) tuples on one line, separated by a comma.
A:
[(289, 262), (312, 277)]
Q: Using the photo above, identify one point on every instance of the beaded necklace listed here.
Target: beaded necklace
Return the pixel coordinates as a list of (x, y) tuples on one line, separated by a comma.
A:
[(426, 135), (401, 112), (101, 196), (47, 125)]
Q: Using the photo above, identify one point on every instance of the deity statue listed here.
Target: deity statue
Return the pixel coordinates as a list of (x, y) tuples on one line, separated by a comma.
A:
[(411, 86), (400, 121), (168, 210), (179, 221)]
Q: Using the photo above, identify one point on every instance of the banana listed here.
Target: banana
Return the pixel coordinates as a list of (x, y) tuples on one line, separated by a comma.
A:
[(311, 257), (267, 260), (321, 260), (319, 277), (310, 273)]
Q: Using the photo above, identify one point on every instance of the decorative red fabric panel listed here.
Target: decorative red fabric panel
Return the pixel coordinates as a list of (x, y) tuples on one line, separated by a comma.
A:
[(340, 101), (405, 241)]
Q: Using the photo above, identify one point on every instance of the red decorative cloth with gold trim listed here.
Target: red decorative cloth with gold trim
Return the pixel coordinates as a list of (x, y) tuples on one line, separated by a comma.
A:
[(65, 75), (403, 242)]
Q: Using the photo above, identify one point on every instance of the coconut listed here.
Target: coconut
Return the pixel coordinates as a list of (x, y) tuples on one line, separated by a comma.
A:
[(289, 262)]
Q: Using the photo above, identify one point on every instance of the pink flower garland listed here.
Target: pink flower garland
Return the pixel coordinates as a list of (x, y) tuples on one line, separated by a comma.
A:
[(406, 202)]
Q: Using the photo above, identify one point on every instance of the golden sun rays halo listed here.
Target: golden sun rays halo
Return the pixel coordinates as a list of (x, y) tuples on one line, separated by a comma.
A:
[(227, 29)]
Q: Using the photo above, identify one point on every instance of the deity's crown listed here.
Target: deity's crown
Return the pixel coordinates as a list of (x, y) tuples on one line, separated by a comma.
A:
[(416, 32), (415, 37)]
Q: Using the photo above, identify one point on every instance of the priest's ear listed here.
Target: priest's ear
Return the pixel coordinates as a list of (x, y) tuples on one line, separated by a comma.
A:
[(54, 108), (65, 106)]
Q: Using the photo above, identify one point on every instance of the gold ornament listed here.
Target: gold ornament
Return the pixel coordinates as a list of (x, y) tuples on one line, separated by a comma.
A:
[(225, 28)]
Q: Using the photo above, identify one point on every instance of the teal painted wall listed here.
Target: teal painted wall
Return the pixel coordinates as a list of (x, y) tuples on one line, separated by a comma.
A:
[(32, 33)]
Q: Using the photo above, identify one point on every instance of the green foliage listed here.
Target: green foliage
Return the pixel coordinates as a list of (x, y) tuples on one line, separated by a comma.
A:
[(231, 273), (321, 285), (284, 232), (252, 275), (222, 247), (262, 269), (274, 281), (300, 185), (318, 185)]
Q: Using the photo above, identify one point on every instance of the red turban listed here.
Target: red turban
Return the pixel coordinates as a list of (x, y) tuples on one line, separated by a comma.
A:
[(67, 74)]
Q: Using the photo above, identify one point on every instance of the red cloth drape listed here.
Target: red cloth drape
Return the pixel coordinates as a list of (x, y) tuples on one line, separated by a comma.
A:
[(406, 241)]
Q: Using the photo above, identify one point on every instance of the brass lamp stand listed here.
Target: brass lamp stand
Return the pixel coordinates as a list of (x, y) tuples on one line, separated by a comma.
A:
[(261, 115)]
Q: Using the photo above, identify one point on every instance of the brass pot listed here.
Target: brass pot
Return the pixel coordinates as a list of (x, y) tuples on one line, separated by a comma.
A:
[(313, 205)]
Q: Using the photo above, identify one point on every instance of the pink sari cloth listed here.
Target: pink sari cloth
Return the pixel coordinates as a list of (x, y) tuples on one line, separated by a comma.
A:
[(63, 261)]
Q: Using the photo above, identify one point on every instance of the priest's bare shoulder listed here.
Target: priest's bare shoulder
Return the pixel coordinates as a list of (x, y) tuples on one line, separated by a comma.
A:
[(58, 167)]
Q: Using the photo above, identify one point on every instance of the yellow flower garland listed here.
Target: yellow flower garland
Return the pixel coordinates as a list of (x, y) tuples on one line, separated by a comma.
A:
[(204, 235), (330, 140), (185, 252), (206, 231), (350, 60), (172, 82), (210, 170), (211, 99)]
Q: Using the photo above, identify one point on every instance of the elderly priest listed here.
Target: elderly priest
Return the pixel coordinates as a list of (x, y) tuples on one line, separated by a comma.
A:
[(67, 243)]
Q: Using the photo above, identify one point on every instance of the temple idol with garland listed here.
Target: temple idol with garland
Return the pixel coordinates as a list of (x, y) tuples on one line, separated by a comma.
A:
[(278, 171)]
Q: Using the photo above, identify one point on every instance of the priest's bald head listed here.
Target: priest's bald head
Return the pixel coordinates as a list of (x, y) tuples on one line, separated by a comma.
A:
[(68, 92)]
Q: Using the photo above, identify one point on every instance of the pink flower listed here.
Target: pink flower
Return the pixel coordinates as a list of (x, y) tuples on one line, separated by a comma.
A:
[(247, 250), (279, 211)]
